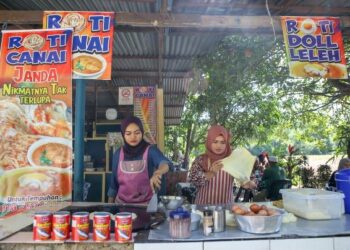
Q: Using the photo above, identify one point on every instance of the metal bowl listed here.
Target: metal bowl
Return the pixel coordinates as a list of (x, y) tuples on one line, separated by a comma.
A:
[(260, 224), (171, 202)]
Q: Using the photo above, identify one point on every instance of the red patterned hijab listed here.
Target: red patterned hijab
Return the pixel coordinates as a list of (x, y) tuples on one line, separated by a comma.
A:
[(213, 132)]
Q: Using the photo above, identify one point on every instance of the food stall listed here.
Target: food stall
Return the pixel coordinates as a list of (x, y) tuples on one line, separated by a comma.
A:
[(151, 231)]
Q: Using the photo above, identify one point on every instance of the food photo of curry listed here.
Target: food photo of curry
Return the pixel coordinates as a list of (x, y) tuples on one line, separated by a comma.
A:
[(36, 149)]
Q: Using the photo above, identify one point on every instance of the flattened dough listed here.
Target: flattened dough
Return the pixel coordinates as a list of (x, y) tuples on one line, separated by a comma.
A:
[(239, 164)]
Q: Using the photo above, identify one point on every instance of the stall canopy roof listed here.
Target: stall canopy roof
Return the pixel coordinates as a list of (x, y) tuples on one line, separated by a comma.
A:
[(155, 41)]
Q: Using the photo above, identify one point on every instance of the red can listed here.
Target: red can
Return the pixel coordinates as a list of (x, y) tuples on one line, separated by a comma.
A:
[(80, 226), (123, 227), (101, 231), (60, 225), (42, 225)]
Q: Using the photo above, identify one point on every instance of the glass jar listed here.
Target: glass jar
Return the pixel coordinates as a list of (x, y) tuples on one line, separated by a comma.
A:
[(180, 224), (207, 222)]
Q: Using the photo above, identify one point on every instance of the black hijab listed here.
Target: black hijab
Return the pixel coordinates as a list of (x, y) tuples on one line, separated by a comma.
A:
[(133, 151)]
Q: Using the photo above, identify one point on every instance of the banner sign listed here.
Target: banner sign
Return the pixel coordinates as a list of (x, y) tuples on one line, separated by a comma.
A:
[(314, 47), (35, 118), (145, 108), (92, 41)]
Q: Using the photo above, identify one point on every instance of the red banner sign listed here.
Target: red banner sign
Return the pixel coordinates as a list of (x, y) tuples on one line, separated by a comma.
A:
[(314, 47), (92, 41), (35, 118)]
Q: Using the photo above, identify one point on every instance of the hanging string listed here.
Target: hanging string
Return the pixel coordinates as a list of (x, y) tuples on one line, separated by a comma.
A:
[(4, 26), (271, 20)]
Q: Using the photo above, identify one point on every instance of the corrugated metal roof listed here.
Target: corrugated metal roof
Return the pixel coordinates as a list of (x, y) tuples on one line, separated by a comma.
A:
[(136, 49), (82, 5)]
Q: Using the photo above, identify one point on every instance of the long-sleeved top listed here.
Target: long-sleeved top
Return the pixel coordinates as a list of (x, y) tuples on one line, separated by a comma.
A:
[(216, 190)]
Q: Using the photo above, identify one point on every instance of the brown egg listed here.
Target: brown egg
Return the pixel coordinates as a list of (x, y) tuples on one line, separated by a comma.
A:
[(264, 207), (271, 212), (250, 213), (240, 211), (255, 208), (262, 212), (234, 207)]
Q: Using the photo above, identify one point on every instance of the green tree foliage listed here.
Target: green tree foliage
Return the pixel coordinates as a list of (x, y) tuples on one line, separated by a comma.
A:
[(249, 91)]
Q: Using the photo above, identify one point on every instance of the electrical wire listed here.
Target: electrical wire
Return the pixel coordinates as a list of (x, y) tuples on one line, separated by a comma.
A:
[(271, 20)]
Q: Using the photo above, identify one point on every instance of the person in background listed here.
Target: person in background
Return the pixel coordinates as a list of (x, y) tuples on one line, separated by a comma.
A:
[(272, 173), (263, 161), (138, 167), (214, 185), (343, 164)]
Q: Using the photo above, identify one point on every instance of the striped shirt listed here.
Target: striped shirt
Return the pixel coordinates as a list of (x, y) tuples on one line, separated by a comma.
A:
[(217, 190)]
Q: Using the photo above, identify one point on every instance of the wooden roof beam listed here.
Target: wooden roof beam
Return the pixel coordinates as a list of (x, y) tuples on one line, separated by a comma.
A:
[(297, 9), (165, 20)]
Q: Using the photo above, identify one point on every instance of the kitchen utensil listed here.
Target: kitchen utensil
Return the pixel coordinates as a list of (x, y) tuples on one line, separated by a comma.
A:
[(260, 224), (171, 202), (153, 203)]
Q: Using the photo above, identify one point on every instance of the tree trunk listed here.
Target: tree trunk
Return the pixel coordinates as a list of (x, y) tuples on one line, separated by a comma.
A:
[(348, 149), (188, 146)]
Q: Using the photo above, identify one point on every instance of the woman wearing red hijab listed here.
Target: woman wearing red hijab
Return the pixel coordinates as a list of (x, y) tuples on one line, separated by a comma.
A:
[(214, 185)]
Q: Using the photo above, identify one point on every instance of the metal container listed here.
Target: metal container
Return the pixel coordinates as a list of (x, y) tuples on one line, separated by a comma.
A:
[(171, 202), (195, 221), (260, 224), (219, 219)]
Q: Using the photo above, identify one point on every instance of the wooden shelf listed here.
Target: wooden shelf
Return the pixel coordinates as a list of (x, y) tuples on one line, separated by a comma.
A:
[(108, 122), (98, 138)]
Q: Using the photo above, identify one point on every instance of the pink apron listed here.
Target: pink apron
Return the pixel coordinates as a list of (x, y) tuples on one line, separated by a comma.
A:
[(134, 184)]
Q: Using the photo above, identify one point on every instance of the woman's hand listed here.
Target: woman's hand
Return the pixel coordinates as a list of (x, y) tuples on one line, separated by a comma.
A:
[(213, 169), (156, 180), (216, 166)]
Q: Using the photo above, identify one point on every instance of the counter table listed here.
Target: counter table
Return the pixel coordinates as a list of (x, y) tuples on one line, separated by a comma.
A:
[(302, 235)]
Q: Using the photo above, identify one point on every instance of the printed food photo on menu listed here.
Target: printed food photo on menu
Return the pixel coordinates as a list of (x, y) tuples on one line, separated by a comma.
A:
[(36, 152)]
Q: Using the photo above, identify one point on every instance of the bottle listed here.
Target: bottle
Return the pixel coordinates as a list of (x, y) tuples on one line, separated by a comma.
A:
[(207, 222), (219, 219)]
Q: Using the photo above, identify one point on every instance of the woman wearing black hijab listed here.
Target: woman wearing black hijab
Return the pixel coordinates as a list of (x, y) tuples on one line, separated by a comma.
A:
[(138, 167)]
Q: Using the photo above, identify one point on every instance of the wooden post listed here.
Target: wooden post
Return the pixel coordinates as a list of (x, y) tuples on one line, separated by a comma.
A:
[(160, 119)]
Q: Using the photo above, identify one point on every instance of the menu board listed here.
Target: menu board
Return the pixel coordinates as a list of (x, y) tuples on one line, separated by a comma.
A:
[(314, 47), (35, 118), (145, 108), (92, 40)]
